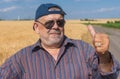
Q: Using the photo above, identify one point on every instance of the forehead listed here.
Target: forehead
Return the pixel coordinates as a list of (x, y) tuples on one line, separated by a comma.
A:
[(52, 16)]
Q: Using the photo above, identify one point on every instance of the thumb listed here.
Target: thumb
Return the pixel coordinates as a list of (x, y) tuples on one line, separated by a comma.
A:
[(91, 30)]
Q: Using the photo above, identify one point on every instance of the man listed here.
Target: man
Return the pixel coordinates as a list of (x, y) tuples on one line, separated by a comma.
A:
[(54, 56)]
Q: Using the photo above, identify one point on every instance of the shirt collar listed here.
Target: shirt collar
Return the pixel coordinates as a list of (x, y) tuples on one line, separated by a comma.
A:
[(66, 42)]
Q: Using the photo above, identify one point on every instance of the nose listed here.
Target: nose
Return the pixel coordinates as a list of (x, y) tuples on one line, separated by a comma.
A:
[(55, 26)]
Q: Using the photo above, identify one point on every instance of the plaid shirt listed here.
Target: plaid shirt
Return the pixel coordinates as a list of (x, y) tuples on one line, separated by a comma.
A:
[(76, 60)]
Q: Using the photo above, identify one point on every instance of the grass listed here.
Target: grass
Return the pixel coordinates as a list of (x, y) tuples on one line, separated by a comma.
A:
[(111, 25), (15, 35), (108, 25)]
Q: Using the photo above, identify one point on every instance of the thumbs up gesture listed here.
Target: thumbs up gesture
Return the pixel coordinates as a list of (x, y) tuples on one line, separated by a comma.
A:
[(101, 44), (100, 41)]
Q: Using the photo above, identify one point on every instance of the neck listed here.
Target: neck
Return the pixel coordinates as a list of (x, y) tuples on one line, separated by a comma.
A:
[(52, 50), (54, 46)]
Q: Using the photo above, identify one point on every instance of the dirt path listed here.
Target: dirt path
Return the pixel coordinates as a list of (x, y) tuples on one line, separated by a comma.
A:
[(114, 35)]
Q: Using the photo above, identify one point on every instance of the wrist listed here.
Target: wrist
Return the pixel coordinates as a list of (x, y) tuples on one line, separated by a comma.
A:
[(105, 58)]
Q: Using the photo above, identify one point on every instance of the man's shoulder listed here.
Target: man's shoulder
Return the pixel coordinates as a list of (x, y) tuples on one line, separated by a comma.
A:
[(79, 42), (28, 49), (24, 50)]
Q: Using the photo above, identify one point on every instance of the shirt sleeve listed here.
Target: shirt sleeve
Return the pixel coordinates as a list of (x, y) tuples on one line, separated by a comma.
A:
[(98, 74), (93, 65), (11, 69), (115, 70), (7, 71)]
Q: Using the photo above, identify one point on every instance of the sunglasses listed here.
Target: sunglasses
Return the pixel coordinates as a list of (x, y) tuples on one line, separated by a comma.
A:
[(49, 24)]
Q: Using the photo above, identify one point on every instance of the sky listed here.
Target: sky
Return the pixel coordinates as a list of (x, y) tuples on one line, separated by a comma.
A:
[(75, 9)]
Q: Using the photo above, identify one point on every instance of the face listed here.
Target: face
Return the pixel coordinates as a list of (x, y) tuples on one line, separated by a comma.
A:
[(50, 29)]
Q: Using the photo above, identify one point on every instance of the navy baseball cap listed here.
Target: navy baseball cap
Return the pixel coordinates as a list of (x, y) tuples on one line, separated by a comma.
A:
[(49, 8)]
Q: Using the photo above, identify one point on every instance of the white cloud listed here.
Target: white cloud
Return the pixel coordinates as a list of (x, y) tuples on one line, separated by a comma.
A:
[(86, 0), (107, 9), (9, 0), (102, 10), (8, 9), (16, 0)]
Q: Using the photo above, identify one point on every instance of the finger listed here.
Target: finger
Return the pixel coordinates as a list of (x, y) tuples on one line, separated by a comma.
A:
[(97, 39), (91, 30), (98, 44)]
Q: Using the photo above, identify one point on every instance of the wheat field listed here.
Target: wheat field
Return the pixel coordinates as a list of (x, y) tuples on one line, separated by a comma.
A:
[(14, 35)]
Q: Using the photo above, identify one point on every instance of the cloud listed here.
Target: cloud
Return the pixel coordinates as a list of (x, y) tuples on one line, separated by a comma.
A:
[(8, 9), (9, 0), (101, 10), (86, 0), (107, 9)]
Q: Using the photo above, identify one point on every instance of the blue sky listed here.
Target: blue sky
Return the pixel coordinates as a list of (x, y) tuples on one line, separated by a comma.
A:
[(75, 9)]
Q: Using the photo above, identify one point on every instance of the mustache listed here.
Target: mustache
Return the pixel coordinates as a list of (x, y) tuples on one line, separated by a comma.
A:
[(55, 31)]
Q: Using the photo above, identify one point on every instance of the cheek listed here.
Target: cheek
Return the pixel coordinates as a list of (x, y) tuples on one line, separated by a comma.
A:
[(42, 31), (62, 30)]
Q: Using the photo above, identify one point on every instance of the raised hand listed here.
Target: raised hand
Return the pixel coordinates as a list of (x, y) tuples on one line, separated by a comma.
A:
[(100, 41)]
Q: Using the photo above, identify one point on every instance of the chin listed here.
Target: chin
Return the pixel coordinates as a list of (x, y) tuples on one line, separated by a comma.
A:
[(55, 40)]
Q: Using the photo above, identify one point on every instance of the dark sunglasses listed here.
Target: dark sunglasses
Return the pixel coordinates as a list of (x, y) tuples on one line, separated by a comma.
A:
[(49, 24)]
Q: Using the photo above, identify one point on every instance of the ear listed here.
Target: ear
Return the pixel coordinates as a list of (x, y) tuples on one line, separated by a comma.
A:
[(36, 27)]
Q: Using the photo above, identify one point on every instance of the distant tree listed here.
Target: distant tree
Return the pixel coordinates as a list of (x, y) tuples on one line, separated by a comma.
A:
[(86, 19), (1, 19), (117, 21), (110, 22)]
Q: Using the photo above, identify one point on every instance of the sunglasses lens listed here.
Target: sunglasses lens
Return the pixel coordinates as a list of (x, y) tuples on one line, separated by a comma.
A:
[(49, 24), (61, 23)]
